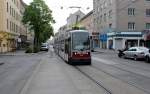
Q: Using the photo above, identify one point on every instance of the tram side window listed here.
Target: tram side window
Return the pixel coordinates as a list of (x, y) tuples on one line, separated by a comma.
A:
[(69, 45), (62, 46), (66, 46)]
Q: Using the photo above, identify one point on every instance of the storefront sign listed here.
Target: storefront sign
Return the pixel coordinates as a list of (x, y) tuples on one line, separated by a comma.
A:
[(103, 37)]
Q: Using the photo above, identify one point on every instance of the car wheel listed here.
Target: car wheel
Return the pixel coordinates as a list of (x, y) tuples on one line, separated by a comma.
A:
[(135, 57), (147, 59)]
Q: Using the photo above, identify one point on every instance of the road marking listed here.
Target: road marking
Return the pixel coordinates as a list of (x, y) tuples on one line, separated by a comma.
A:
[(104, 61)]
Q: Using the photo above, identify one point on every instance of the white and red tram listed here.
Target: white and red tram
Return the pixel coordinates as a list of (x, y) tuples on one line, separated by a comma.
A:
[(73, 46)]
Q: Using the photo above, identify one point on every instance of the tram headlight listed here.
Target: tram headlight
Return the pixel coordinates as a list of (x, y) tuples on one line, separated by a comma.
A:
[(75, 53)]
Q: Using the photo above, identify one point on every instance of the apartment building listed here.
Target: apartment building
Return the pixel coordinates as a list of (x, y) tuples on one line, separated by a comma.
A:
[(11, 26), (121, 22), (74, 18), (24, 30), (87, 22)]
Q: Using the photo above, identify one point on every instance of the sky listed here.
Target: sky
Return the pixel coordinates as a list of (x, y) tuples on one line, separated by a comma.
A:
[(61, 9)]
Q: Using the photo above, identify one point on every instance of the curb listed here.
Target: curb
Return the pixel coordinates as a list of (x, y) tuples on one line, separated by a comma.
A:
[(29, 80)]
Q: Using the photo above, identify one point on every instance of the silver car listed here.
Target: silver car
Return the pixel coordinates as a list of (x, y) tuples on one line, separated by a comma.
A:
[(147, 57), (136, 52), (44, 47)]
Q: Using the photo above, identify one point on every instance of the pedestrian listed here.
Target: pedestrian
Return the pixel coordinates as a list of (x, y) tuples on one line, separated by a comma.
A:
[(51, 50)]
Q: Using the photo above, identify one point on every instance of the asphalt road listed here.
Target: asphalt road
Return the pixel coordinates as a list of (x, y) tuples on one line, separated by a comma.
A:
[(134, 73), (15, 71), (108, 74)]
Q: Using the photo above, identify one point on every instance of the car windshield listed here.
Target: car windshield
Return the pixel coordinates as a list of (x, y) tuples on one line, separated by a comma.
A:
[(44, 45)]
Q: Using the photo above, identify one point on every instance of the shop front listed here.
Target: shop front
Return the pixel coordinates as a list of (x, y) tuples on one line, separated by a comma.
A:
[(124, 40), (95, 39), (103, 41), (7, 42)]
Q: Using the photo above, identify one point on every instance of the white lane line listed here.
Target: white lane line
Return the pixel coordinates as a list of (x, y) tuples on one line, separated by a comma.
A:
[(104, 61)]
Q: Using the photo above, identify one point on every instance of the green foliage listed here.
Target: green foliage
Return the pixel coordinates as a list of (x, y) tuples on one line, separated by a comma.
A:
[(39, 17), (36, 49), (29, 49)]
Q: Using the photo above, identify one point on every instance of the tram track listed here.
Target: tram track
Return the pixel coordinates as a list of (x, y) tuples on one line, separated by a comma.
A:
[(104, 84), (127, 63), (128, 82), (98, 83)]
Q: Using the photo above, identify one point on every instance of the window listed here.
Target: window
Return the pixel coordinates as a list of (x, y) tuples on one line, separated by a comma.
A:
[(7, 24), (132, 49), (7, 7), (16, 28), (100, 19), (147, 12), (131, 11), (110, 25), (148, 26), (110, 14), (131, 25), (105, 17), (14, 13), (10, 26), (10, 10), (105, 4)]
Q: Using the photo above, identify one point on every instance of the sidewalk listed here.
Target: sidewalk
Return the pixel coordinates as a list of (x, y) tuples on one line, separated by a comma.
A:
[(53, 76), (105, 51), (20, 52)]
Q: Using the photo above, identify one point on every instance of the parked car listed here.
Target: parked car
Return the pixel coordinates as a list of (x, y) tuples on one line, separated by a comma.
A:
[(44, 47), (136, 52), (147, 57)]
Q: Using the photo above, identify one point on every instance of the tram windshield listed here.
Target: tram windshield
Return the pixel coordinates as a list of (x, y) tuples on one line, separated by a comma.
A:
[(80, 41)]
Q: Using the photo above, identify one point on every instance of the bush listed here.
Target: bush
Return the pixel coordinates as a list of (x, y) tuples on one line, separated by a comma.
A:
[(36, 50), (29, 49)]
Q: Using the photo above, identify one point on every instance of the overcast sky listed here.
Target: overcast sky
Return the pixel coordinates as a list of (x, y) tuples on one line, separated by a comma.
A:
[(59, 14)]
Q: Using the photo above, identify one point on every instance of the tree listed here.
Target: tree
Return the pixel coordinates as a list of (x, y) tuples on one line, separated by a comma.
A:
[(39, 17)]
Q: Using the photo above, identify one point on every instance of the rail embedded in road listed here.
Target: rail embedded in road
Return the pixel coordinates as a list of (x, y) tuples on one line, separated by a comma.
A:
[(99, 84)]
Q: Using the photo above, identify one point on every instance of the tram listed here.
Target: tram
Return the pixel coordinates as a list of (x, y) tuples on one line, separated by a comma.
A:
[(73, 46)]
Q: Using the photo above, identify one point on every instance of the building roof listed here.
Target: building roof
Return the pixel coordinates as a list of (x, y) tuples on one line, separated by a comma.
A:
[(87, 15), (77, 12)]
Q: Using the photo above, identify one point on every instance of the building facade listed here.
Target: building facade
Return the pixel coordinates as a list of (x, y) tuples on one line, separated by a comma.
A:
[(74, 18), (11, 26), (87, 22), (121, 22), (23, 28), (71, 21)]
